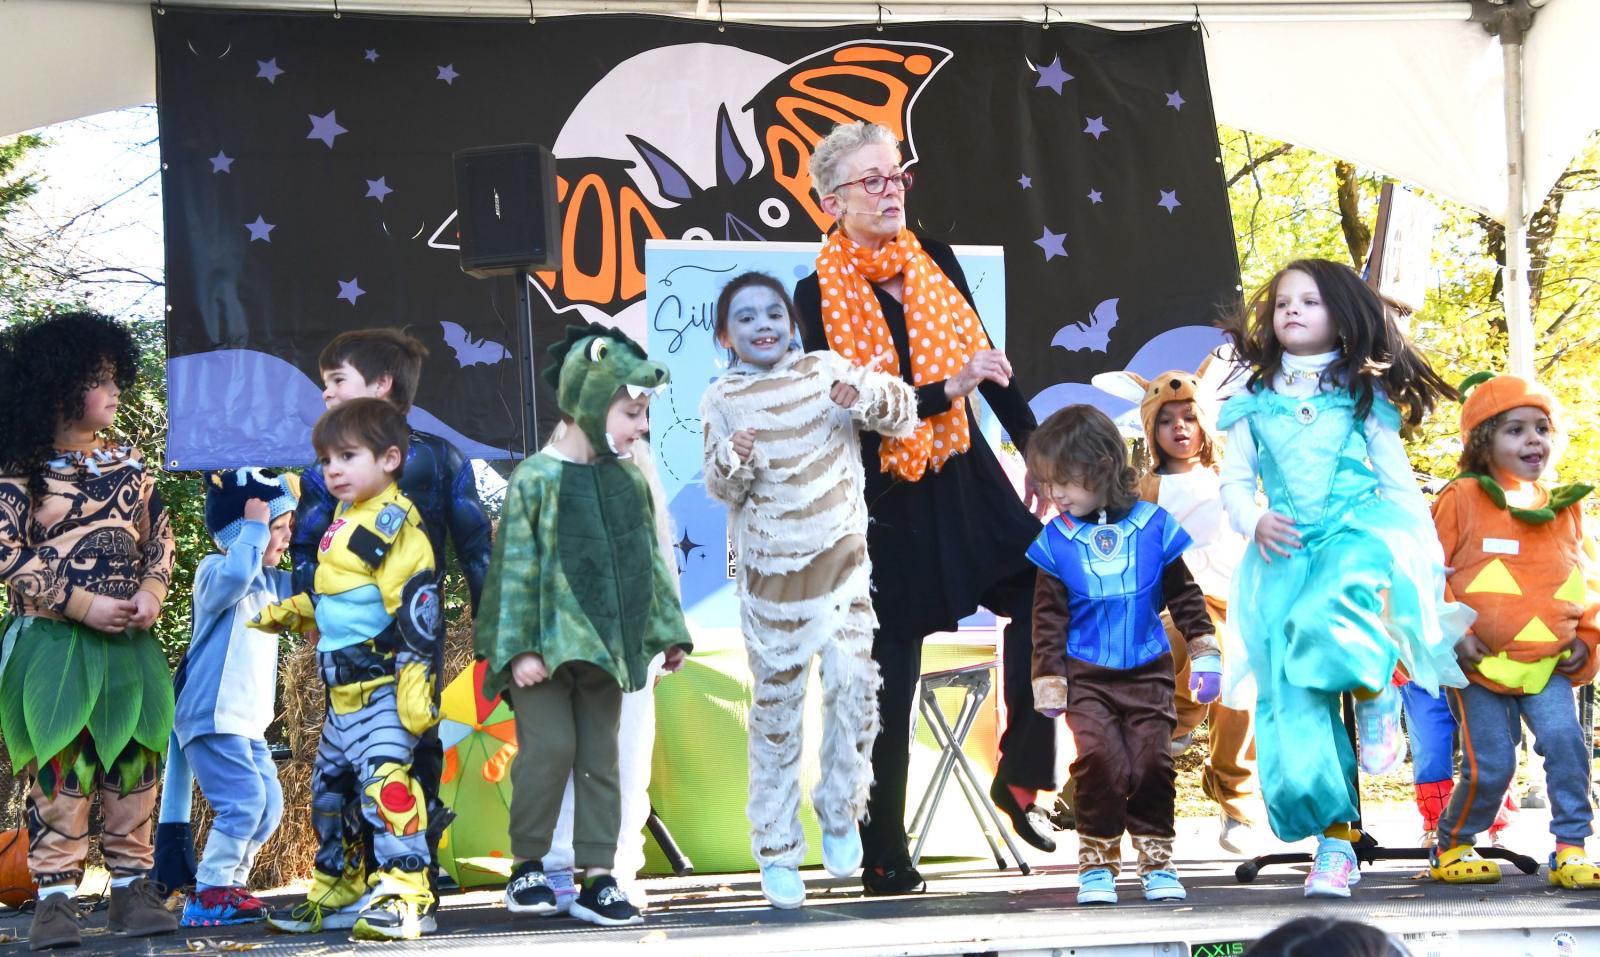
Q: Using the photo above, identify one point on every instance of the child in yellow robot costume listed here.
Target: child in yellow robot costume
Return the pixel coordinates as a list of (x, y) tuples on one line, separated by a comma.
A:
[(378, 617)]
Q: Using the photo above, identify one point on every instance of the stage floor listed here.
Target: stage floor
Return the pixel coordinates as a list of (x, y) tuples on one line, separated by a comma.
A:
[(973, 909)]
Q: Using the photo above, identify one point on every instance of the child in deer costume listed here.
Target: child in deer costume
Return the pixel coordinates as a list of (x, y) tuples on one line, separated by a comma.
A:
[(1177, 410)]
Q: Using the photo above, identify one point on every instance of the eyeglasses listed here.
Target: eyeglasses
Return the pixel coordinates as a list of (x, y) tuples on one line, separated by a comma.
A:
[(875, 184)]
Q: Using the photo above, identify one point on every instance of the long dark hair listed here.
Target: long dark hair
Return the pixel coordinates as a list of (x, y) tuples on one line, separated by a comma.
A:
[(1374, 352)]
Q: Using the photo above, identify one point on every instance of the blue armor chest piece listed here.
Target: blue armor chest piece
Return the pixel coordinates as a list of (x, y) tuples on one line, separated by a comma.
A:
[(1113, 576)]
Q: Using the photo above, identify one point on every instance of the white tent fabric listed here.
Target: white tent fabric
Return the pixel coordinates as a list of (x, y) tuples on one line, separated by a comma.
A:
[(1420, 100)]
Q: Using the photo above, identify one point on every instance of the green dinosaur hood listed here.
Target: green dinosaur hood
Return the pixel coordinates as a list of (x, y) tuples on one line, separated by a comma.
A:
[(592, 363)]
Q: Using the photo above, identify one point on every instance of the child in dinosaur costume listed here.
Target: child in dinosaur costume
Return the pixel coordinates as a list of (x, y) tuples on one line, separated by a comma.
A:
[(577, 602), (1522, 560), (86, 556), (378, 616)]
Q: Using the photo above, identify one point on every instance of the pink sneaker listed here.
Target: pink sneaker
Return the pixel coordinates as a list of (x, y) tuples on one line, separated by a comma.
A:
[(1334, 872), (1383, 741)]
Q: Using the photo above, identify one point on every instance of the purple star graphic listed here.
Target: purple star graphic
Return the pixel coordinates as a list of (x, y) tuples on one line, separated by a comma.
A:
[(268, 70), (1175, 100), (1025, 181), (371, 56), (221, 163), (1097, 126), (260, 229), (448, 74), (377, 188), (1053, 244), (1052, 75), (350, 291), (1169, 200), (325, 128), (1095, 198)]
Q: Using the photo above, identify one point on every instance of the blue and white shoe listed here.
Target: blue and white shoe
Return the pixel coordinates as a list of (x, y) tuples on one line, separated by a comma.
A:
[(1162, 886), (841, 853), (782, 886), (1097, 886), (1383, 742)]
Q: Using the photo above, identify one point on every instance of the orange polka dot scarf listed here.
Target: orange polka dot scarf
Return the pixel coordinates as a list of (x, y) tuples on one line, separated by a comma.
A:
[(943, 330)]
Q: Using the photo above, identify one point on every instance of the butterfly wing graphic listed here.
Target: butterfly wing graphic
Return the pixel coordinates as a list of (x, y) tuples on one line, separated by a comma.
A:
[(470, 351), (874, 81)]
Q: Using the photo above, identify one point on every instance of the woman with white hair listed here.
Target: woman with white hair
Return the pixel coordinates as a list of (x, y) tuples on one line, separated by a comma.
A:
[(947, 532)]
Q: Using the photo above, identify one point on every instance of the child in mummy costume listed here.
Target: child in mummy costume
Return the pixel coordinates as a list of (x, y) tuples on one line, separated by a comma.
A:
[(781, 453)]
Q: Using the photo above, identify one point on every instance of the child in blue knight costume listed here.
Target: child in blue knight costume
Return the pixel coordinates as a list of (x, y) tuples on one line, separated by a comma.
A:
[(1346, 578), (1108, 563)]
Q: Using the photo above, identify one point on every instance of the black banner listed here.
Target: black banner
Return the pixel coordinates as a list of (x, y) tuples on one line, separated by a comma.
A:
[(308, 189)]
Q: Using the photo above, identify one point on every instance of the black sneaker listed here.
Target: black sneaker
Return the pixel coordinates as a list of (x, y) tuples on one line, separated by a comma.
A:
[(529, 891), (892, 881), (602, 902)]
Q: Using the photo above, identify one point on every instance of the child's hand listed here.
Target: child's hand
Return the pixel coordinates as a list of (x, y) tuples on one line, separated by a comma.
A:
[(1470, 649), (1277, 533), (744, 444), (110, 614), (528, 669), (1573, 663), (674, 659), (844, 395), (256, 510), (147, 610)]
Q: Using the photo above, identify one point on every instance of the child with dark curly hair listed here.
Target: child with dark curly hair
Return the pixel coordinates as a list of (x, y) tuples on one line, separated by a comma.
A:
[(1108, 564), (86, 554)]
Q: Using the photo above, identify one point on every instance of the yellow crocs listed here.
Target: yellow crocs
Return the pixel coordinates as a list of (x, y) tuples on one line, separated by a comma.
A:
[(1570, 868), (1462, 865)]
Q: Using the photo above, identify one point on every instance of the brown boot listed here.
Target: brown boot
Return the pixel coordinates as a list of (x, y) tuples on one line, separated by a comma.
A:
[(139, 910), (56, 923)]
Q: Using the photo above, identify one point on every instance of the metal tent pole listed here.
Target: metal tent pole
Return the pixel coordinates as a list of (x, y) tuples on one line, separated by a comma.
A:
[(1512, 24)]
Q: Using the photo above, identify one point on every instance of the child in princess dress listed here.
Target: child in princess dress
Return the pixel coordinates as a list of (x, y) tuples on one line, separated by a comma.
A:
[(1346, 578)]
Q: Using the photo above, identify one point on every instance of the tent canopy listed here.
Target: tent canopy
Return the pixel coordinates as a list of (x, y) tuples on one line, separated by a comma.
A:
[(1413, 88)]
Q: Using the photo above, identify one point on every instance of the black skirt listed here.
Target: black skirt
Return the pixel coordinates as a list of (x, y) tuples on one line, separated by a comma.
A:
[(938, 543)]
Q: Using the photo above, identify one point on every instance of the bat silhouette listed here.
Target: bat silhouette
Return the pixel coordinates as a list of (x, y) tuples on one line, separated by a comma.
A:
[(470, 351), (1094, 334)]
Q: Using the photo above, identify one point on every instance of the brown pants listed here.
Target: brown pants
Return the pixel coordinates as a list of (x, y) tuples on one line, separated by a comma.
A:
[(1122, 721), (58, 829), (1228, 777)]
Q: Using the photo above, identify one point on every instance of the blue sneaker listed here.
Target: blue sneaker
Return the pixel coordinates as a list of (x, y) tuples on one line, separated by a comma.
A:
[(841, 853), (1097, 886), (782, 886), (1383, 744), (1162, 886), (221, 907)]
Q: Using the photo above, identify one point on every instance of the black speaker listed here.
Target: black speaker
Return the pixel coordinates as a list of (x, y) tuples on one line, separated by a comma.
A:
[(507, 217)]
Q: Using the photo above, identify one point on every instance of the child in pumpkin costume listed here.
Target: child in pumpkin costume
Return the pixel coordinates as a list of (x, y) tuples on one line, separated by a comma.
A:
[(577, 602), (86, 554), (1522, 559), (378, 616)]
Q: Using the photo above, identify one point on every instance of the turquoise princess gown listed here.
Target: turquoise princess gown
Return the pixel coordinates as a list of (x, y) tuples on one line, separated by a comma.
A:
[(1364, 592)]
